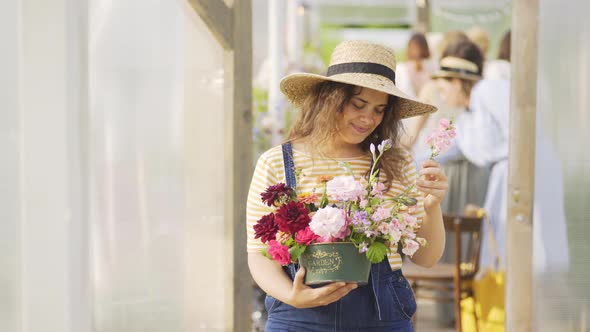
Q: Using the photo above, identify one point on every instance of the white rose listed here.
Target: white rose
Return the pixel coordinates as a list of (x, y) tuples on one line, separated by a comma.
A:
[(327, 222)]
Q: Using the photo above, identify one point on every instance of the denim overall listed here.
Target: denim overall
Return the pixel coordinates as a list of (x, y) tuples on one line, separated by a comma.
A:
[(386, 303)]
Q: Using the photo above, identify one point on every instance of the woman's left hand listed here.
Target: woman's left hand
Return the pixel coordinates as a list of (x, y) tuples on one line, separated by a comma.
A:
[(433, 183)]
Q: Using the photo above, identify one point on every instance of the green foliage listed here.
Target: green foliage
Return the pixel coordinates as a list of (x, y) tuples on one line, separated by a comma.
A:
[(265, 253), (376, 252), (296, 251)]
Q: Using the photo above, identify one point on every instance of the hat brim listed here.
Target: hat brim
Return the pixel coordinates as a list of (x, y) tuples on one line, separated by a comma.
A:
[(452, 74), (297, 87)]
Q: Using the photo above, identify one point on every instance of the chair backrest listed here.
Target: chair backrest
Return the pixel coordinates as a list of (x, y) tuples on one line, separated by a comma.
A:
[(467, 241)]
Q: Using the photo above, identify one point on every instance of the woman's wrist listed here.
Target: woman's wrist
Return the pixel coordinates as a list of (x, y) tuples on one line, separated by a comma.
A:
[(433, 208)]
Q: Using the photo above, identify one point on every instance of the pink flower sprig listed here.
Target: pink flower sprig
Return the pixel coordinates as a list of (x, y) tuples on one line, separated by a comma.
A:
[(440, 139)]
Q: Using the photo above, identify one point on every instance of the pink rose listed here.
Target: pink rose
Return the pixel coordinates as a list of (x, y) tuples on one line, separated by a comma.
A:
[(444, 123), (306, 236), (279, 252), (344, 231), (324, 239)]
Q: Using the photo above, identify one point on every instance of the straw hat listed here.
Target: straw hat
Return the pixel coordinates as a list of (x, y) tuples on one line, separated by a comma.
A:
[(359, 63), (453, 67)]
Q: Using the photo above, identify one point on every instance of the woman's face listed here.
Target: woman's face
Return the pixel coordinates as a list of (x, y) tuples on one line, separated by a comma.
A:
[(361, 115), (414, 51), (451, 92)]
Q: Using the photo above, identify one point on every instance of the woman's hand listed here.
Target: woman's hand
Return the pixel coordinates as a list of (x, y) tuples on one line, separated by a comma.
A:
[(303, 296), (433, 183)]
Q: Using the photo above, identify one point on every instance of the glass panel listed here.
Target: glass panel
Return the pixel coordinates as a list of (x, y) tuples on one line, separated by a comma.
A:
[(492, 16), (561, 274), (156, 206), (10, 174)]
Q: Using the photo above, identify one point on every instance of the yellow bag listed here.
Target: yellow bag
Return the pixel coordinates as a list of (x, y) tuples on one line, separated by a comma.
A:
[(487, 304)]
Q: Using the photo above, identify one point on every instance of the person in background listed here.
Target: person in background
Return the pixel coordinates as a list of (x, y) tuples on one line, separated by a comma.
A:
[(414, 73), (460, 69), (484, 139), (415, 133), (481, 38), (499, 69)]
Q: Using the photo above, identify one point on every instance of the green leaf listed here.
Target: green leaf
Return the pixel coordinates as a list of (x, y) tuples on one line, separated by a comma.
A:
[(376, 252), (311, 207), (410, 201), (265, 253), (290, 241), (324, 201), (296, 251)]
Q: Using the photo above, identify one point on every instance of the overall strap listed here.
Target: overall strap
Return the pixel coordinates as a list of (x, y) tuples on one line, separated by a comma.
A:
[(289, 165), (292, 268)]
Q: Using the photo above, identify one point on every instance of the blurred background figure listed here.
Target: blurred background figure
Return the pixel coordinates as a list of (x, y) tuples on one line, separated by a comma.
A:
[(414, 73), (500, 67), (460, 69), (417, 128), (484, 140), (481, 38)]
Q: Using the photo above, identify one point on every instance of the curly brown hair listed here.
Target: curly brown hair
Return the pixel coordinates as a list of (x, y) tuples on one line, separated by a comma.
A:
[(316, 123)]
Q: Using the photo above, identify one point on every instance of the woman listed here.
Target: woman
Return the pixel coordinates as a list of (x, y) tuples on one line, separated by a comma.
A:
[(499, 69), (414, 136), (415, 73), (342, 113), (460, 70)]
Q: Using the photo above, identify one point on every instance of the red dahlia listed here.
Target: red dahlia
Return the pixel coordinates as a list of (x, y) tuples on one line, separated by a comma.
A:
[(292, 217), (274, 193), (266, 229)]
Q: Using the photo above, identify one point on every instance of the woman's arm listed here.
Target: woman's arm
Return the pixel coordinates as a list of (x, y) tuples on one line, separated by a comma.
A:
[(434, 232), (433, 183), (269, 276)]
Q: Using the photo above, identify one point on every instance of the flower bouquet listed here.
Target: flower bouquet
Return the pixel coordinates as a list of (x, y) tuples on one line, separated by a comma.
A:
[(337, 233)]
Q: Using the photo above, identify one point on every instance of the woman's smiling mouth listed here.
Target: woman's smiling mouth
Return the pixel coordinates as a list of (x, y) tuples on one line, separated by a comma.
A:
[(360, 130)]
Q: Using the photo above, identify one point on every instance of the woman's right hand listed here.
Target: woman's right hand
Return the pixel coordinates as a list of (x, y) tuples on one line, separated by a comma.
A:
[(303, 296)]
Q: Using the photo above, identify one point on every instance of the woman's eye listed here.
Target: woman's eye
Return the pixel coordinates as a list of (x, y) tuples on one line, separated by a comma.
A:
[(358, 107), (380, 110)]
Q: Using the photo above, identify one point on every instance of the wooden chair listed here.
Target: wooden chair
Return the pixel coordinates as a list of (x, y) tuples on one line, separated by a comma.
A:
[(450, 281)]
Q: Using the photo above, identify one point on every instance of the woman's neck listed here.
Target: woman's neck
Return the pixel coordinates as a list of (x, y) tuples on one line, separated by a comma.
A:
[(340, 149), (466, 102), (334, 149)]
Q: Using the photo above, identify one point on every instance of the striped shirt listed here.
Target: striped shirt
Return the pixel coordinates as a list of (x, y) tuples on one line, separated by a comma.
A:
[(270, 171)]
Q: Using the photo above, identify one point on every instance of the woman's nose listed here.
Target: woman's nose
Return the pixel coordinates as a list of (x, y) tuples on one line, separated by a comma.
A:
[(367, 119)]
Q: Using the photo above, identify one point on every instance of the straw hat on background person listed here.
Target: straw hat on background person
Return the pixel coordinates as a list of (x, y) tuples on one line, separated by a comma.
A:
[(454, 67)]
